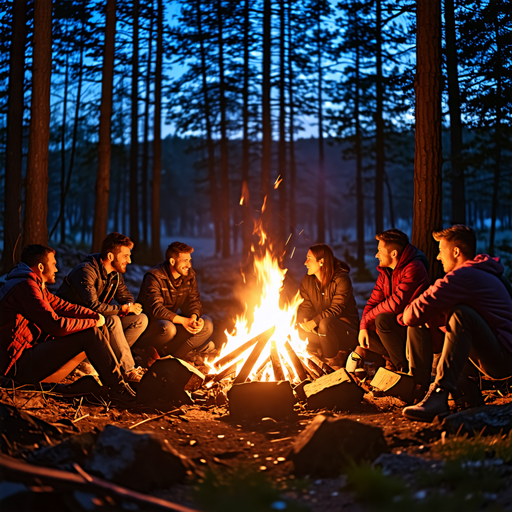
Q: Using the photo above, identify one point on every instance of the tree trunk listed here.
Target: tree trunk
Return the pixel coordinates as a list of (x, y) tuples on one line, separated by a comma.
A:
[(427, 206), (379, 121), (102, 189), (63, 151), (282, 127), (145, 147), (36, 202), (458, 213), (291, 124), (320, 216), (212, 176), (359, 161), (247, 214), (156, 250), (498, 73), (134, 137), (266, 128), (14, 143), (224, 159)]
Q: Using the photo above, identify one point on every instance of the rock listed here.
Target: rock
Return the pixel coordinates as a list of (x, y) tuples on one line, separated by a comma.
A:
[(255, 400), (336, 390), (140, 461), (23, 429), (394, 384), (495, 418), (165, 382), (402, 464), (62, 455), (329, 445)]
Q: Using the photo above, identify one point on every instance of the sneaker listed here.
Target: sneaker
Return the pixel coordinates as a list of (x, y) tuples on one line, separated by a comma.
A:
[(122, 392), (434, 404), (135, 375)]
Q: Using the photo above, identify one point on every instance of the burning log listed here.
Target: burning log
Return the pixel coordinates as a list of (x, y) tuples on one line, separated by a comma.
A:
[(262, 369), (291, 373), (242, 348), (324, 366), (255, 354), (315, 368), (312, 375), (225, 373), (276, 362), (297, 364)]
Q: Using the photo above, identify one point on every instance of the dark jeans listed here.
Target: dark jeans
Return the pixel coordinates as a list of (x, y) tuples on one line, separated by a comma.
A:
[(45, 358), (467, 337), (173, 339), (124, 332), (331, 336), (391, 339)]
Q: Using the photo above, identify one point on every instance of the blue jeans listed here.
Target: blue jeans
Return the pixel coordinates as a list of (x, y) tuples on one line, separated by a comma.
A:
[(173, 339)]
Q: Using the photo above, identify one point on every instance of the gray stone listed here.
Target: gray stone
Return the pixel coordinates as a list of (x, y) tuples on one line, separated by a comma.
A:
[(140, 461), (329, 445), (255, 400), (165, 382), (402, 464), (336, 390), (495, 419)]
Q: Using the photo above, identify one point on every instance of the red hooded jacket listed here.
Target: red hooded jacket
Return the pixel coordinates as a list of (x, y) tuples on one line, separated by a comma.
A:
[(477, 283), (397, 288), (30, 313)]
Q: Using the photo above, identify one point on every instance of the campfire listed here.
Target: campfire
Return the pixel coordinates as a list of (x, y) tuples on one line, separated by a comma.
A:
[(269, 347)]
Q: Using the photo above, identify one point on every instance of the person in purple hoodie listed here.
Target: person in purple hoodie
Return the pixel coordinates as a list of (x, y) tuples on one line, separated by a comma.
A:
[(402, 277), (472, 304)]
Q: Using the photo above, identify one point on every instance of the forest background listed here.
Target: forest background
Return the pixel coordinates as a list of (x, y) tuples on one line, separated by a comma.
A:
[(311, 104)]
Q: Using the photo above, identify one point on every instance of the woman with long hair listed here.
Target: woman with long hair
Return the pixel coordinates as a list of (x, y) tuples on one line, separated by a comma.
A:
[(328, 317)]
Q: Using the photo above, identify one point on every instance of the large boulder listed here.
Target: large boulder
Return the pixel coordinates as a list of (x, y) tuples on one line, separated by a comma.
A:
[(165, 382), (140, 461), (329, 445), (255, 400)]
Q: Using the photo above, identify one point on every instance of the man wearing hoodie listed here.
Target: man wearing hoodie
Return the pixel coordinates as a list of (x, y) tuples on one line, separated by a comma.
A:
[(39, 332), (402, 277), (99, 280), (473, 305)]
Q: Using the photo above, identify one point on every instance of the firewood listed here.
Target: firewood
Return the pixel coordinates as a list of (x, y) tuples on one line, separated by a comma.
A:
[(276, 362), (226, 372), (297, 364), (315, 368), (255, 354), (266, 335)]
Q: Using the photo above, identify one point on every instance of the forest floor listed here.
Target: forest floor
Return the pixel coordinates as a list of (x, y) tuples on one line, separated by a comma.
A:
[(244, 466)]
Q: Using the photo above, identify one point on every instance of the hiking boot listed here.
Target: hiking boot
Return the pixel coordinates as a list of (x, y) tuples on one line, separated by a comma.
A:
[(468, 394), (434, 404), (135, 375), (122, 392)]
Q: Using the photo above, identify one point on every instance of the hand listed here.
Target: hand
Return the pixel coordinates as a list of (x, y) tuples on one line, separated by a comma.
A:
[(364, 338), (101, 321), (192, 325), (308, 325), (135, 308)]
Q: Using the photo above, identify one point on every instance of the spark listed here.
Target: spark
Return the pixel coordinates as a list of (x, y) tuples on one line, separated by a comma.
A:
[(301, 232), (288, 239), (278, 181), (293, 252)]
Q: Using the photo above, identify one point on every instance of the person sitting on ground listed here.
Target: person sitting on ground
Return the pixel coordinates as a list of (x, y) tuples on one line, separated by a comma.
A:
[(402, 277), (328, 317), (99, 280), (168, 288), (40, 332), (473, 304)]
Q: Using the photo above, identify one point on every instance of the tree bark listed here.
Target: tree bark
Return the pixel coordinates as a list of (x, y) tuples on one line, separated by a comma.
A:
[(134, 137), (282, 126), (291, 124), (458, 213), (145, 148), (212, 176), (379, 121), (157, 139), (63, 151), (224, 157), (427, 207), (14, 143), (102, 188), (266, 129), (36, 202)]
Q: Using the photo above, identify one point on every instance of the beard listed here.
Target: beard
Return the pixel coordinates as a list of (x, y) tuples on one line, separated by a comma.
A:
[(118, 266)]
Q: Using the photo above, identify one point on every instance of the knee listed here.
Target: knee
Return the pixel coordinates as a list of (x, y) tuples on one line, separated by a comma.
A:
[(166, 330), (207, 327), (141, 321), (325, 323), (458, 315), (113, 322)]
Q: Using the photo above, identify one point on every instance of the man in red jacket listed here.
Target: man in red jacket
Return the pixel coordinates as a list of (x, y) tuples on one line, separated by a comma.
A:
[(402, 277), (473, 306), (39, 332)]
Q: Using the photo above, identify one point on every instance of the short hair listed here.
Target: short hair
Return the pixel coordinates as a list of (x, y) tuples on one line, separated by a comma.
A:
[(463, 237), (174, 250), (34, 254), (394, 239), (113, 244)]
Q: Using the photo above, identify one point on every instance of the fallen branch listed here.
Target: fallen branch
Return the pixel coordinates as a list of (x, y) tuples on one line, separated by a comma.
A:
[(153, 418)]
